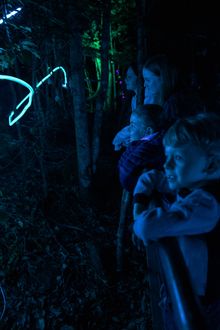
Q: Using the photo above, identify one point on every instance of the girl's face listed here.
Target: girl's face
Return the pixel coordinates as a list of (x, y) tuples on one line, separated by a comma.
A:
[(152, 85), (131, 80)]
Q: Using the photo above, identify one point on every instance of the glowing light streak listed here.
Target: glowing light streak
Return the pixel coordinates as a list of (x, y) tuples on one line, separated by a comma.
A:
[(12, 13), (51, 73), (29, 96), (13, 121)]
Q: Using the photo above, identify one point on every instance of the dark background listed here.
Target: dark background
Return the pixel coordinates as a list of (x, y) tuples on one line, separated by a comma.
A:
[(57, 250)]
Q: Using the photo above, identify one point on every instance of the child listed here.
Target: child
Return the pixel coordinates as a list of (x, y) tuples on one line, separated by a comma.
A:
[(145, 150), (192, 173)]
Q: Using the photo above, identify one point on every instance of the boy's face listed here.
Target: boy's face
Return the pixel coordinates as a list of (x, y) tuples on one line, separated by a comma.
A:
[(138, 129), (185, 166)]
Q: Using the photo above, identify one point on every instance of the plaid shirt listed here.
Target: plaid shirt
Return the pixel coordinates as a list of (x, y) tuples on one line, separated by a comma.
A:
[(146, 153)]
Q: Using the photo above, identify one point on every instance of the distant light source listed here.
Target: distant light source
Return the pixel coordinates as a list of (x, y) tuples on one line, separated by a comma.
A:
[(12, 13)]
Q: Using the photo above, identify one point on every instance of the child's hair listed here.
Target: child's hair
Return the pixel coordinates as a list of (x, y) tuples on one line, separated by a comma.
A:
[(133, 66), (150, 113), (162, 67), (202, 129)]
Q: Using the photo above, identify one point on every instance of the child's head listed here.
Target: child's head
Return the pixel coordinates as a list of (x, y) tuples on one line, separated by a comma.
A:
[(145, 120), (160, 76), (192, 148), (131, 78)]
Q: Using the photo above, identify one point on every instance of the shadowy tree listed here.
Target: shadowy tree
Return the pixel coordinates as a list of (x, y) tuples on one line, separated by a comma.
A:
[(79, 101), (101, 97), (74, 31)]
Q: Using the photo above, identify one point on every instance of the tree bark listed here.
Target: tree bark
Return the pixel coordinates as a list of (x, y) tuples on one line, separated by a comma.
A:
[(125, 204), (140, 6), (100, 102), (80, 114)]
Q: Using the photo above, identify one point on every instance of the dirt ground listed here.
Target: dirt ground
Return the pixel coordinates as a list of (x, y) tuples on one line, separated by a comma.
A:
[(58, 253)]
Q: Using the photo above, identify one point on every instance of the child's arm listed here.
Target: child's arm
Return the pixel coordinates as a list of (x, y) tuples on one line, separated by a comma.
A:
[(122, 138), (143, 194), (139, 155), (196, 214)]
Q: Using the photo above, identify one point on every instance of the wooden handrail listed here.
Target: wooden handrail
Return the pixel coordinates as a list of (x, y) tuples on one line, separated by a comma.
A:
[(185, 304)]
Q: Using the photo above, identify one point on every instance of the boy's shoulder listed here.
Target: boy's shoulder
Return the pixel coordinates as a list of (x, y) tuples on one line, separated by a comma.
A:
[(213, 188), (209, 189)]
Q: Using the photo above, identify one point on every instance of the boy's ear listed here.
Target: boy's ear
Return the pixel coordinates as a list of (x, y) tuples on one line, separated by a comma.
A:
[(213, 166), (149, 130)]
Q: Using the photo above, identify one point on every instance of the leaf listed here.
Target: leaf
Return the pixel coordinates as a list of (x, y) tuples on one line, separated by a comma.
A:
[(30, 47), (27, 43), (22, 28), (4, 62)]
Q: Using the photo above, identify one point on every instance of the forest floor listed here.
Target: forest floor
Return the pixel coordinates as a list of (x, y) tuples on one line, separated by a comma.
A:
[(58, 253)]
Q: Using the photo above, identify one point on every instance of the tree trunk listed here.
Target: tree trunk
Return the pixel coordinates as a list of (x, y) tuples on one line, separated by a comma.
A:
[(80, 114), (40, 118), (120, 249), (112, 66), (17, 72), (100, 102), (140, 5)]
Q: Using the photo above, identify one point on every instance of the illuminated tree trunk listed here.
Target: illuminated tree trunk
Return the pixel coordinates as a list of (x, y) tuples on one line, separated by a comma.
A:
[(101, 98), (80, 114), (114, 103), (108, 101)]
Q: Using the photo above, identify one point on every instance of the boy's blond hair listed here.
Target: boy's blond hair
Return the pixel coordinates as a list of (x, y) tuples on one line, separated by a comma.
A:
[(202, 129)]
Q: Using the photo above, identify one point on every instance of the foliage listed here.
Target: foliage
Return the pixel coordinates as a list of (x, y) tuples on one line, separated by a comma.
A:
[(53, 19), (56, 253), (91, 37), (5, 60), (122, 18), (57, 267), (123, 22)]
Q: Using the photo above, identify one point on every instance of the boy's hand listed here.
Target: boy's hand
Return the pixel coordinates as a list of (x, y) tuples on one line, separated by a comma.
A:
[(122, 138), (142, 185)]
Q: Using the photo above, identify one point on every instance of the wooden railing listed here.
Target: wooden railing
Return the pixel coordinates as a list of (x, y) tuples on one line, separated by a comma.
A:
[(185, 304), (164, 259)]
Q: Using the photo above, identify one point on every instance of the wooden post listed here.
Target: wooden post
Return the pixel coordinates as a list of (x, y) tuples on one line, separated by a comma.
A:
[(125, 203), (154, 278)]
